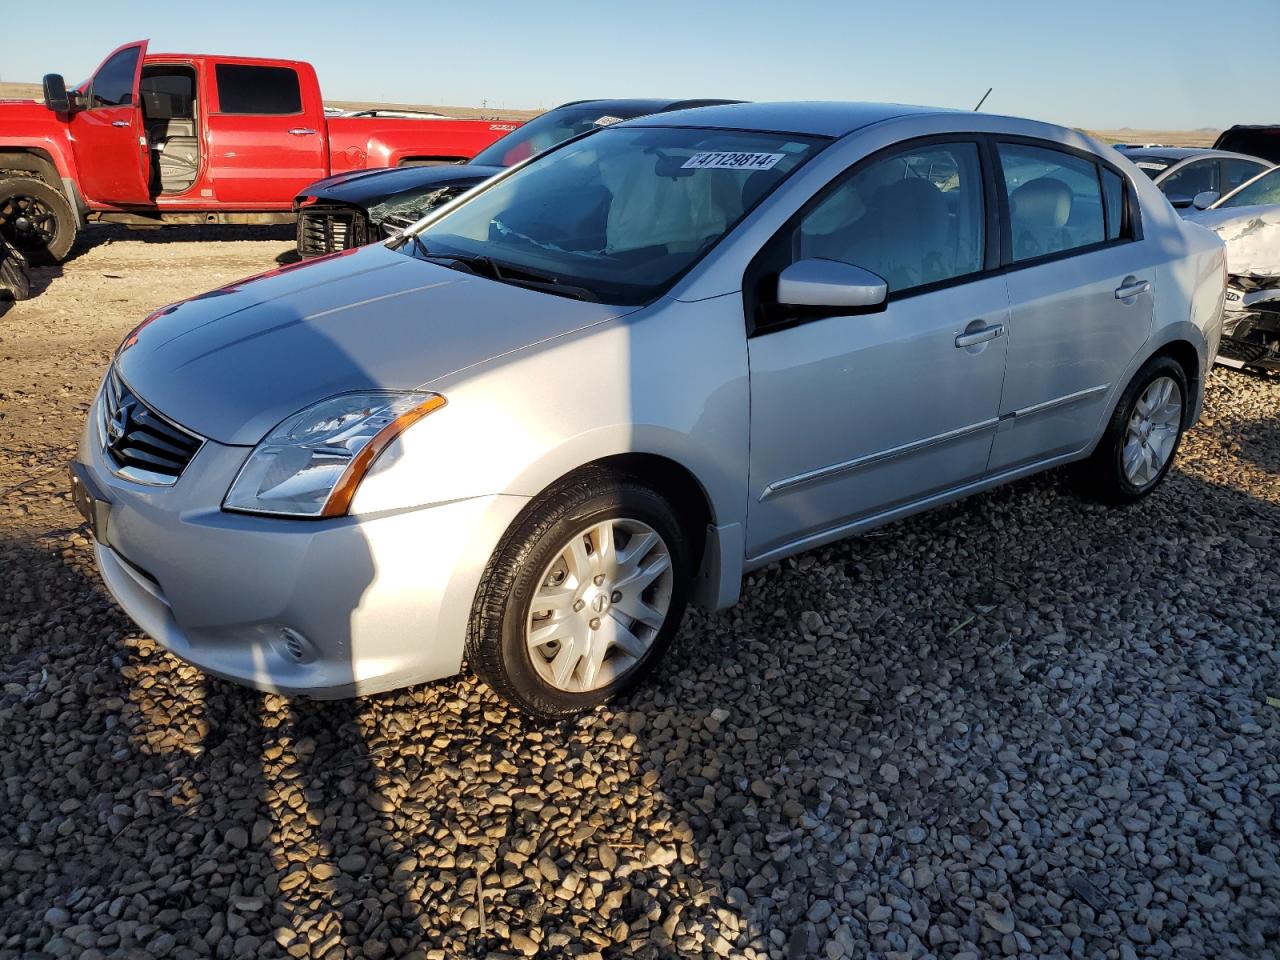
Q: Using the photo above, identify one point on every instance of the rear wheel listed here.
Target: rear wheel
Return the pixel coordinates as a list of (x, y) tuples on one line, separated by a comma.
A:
[(581, 597), (36, 219), (1140, 442)]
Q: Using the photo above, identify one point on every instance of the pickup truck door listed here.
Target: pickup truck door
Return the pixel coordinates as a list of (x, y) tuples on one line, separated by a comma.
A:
[(266, 132), (109, 138)]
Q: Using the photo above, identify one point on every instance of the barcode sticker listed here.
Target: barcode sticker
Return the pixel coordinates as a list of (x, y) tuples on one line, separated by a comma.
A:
[(731, 161), (607, 120)]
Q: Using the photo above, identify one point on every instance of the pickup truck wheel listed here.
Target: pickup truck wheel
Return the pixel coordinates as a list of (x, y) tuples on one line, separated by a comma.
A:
[(36, 219)]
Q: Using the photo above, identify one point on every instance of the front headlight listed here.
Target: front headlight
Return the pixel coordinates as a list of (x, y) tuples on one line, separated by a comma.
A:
[(311, 464)]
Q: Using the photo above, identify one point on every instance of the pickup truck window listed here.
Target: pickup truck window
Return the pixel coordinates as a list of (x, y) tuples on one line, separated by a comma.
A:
[(258, 90), (113, 84)]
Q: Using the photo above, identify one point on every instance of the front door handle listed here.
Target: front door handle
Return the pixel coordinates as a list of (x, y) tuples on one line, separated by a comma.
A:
[(121, 123), (981, 335), (1131, 287), (301, 131)]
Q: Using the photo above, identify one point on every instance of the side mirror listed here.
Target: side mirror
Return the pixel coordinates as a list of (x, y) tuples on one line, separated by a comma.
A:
[(830, 284), (1180, 201), (1205, 199), (55, 93)]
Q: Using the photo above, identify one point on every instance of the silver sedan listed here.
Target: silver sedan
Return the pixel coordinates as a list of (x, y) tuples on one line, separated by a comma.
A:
[(616, 378)]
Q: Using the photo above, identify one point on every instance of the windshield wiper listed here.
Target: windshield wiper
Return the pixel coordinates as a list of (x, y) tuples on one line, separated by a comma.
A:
[(518, 276), (505, 273)]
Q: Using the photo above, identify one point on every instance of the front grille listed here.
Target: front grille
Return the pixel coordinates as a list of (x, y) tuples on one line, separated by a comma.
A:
[(324, 230), (139, 443)]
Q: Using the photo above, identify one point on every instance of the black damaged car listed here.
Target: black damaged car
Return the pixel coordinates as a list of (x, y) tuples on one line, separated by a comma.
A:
[(364, 206)]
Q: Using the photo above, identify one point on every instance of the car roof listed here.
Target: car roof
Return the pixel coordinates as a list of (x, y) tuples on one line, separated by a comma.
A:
[(639, 107), (814, 118), (1174, 154)]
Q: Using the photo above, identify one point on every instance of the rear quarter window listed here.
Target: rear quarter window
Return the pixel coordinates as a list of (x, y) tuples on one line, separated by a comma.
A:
[(244, 88)]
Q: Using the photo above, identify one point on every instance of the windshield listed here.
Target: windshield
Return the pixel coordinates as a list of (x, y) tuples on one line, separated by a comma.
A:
[(543, 133), (621, 214), (1265, 189)]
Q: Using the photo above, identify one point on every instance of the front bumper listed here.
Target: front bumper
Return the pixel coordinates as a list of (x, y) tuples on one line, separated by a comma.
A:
[(328, 608)]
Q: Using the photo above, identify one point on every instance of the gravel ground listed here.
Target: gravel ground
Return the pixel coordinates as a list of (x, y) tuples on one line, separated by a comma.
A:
[(1022, 725)]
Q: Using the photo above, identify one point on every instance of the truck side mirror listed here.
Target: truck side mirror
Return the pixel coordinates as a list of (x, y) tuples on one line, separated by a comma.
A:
[(55, 93)]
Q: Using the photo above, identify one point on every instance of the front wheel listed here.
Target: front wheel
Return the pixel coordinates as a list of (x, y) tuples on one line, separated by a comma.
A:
[(1142, 437), (582, 596), (36, 219)]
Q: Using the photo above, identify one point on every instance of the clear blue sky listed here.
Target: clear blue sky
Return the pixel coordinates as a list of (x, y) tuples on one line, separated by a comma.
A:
[(1175, 64)]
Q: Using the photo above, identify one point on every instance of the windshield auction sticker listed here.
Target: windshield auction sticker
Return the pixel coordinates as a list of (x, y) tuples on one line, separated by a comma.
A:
[(731, 161)]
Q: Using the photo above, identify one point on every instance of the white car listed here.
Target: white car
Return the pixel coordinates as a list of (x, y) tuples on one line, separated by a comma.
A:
[(619, 376)]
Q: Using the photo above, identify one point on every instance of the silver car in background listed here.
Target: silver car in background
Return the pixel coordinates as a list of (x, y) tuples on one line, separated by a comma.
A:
[(617, 378)]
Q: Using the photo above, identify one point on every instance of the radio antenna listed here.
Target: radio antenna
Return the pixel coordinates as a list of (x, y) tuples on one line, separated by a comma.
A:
[(983, 100)]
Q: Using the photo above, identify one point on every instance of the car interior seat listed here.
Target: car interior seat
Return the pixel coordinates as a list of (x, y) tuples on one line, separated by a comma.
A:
[(170, 122), (1040, 210)]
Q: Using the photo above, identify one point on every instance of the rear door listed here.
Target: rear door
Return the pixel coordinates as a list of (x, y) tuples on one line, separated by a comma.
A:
[(1080, 294), (109, 139), (266, 133)]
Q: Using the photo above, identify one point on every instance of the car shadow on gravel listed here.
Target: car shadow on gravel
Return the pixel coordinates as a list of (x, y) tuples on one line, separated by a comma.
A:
[(1021, 724)]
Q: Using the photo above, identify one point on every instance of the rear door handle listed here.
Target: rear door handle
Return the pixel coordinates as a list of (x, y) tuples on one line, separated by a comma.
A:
[(1131, 287), (121, 123), (981, 335), (301, 131)]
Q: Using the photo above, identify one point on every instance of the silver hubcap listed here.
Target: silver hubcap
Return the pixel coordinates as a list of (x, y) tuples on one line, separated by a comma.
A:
[(1152, 431), (600, 605)]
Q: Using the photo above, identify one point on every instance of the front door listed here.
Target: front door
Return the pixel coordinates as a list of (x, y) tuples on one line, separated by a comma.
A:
[(854, 416), (110, 141), (1081, 295)]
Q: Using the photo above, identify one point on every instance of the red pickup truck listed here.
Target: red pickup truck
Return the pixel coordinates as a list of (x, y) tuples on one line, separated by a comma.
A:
[(154, 139)]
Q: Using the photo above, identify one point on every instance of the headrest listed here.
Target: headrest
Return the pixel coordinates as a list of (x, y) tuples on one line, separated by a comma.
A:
[(1044, 202)]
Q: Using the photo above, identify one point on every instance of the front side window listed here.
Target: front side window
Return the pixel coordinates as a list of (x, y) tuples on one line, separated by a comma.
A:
[(113, 83), (1055, 201), (244, 88), (1236, 172), (913, 217), (619, 215), (1266, 189), (1194, 178)]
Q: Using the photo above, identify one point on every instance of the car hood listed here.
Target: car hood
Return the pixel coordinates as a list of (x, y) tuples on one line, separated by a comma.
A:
[(232, 363), (1252, 236), (366, 187)]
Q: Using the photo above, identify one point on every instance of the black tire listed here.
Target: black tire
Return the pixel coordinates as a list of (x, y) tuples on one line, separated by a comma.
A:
[(1102, 476), (37, 220), (496, 646), (13, 275)]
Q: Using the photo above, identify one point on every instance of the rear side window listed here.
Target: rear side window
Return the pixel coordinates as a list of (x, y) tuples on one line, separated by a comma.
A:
[(1055, 201), (113, 84), (259, 90), (913, 216)]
